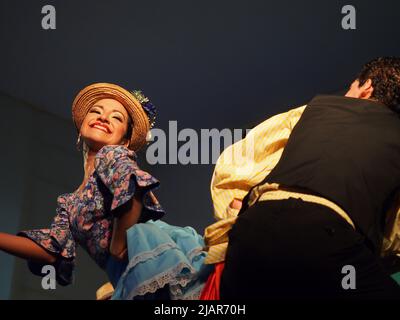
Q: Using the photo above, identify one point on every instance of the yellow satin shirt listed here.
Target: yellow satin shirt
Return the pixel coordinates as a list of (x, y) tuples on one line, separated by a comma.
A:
[(246, 163)]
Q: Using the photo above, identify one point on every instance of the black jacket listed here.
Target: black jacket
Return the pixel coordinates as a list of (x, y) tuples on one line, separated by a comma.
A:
[(348, 151)]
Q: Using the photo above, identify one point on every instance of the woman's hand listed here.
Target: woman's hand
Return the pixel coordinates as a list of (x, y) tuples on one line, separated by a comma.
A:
[(25, 248), (236, 204)]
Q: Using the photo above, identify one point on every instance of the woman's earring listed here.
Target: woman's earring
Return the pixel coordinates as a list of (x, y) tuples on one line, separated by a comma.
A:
[(78, 143)]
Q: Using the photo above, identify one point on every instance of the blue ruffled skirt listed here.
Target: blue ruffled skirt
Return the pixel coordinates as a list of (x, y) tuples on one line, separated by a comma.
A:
[(164, 262)]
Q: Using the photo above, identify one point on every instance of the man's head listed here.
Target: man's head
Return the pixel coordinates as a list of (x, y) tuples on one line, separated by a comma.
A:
[(379, 80)]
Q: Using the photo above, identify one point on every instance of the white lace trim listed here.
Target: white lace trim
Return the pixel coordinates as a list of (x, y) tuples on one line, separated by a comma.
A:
[(143, 256), (171, 277)]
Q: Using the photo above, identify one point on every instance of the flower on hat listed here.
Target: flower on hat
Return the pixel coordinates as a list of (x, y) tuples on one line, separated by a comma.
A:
[(148, 107)]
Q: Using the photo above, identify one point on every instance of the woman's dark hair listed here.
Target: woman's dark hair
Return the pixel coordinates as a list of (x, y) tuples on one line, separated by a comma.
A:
[(129, 131), (384, 73)]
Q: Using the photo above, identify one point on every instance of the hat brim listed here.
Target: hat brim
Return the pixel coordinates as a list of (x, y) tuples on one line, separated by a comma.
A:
[(97, 91)]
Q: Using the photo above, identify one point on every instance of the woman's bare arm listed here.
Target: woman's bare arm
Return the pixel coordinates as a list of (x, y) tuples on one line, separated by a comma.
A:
[(126, 216), (25, 248)]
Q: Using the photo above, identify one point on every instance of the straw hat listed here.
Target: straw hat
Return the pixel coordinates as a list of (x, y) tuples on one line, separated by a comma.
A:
[(97, 91)]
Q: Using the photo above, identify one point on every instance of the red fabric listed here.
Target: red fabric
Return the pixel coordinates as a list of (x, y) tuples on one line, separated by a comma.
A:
[(211, 288)]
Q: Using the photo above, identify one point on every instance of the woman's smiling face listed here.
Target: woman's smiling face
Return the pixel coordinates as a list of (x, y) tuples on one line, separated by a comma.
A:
[(106, 123)]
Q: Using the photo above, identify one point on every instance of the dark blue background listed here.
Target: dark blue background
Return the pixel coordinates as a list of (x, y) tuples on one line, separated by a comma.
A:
[(206, 64)]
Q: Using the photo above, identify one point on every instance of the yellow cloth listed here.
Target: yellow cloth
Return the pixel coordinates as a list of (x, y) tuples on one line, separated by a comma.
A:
[(105, 291), (246, 163)]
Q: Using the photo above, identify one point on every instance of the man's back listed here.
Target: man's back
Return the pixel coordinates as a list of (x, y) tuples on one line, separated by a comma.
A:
[(348, 151)]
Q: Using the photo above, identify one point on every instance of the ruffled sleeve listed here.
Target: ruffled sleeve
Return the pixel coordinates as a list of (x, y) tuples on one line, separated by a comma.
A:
[(117, 168), (57, 240)]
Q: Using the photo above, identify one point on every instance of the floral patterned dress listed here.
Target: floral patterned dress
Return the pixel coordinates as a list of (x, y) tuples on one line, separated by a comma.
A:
[(163, 260)]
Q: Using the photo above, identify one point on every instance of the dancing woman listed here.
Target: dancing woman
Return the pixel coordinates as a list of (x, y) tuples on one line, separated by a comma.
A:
[(114, 214)]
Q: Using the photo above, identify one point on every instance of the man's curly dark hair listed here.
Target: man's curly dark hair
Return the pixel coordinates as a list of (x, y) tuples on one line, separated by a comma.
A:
[(384, 73)]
